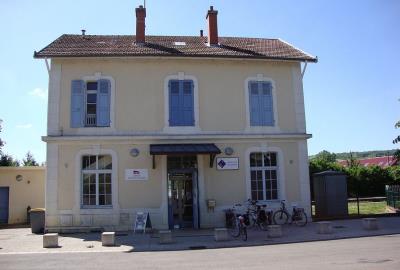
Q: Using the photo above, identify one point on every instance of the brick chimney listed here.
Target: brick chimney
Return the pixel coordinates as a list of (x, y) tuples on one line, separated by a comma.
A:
[(140, 24), (212, 26)]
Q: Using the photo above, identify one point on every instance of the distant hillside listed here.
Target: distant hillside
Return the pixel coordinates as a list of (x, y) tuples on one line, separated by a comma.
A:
[(364, 154)]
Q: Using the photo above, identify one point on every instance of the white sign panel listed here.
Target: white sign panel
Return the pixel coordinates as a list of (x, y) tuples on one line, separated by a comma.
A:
[(136, 174), (226, 163)]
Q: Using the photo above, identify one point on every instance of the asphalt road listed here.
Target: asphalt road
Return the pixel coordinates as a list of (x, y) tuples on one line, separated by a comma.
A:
[(380, 252)]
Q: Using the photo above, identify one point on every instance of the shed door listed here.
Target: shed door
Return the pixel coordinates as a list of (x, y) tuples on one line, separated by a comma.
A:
[(4, 204)]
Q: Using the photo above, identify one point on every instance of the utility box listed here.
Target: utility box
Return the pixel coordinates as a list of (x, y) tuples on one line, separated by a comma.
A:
[(330, 194)]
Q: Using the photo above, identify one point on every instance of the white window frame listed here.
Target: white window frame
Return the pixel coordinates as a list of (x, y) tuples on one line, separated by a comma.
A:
[(263, 168), (181, 129), (89, 130), (260, 129), (280, 170), (95, 151), (96, 172)]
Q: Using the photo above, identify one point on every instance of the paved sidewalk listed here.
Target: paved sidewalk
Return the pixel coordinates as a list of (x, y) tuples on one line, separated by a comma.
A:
[(21, 240)]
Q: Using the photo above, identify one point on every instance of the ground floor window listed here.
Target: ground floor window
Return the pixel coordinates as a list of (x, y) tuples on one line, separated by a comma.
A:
[(264, 176), (96, 180)]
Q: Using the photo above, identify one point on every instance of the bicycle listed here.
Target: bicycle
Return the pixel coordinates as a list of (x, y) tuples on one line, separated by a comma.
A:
[(238, 223), (298, 216), (258, 214)]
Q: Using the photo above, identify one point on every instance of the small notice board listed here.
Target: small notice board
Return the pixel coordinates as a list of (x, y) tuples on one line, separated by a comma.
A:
[(225, 163), (142, 222)]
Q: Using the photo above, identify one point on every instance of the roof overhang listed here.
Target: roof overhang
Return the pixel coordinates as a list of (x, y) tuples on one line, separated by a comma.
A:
[(185, 149)]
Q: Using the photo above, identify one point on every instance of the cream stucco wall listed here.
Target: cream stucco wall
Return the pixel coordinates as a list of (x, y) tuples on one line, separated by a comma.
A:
[(139, 90), (27, 192), (226, 187)]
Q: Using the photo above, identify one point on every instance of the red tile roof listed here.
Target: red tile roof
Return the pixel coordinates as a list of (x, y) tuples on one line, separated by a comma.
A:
[(375, 161), (181, 46)]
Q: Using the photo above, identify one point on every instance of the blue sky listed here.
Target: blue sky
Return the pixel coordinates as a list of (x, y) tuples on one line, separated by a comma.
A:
[(351, 95)]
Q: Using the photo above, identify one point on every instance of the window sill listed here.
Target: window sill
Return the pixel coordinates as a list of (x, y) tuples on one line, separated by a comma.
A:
[(182, 129), (259, 129)]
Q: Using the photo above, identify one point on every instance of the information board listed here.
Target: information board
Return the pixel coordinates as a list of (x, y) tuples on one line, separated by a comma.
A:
[(225, 163)]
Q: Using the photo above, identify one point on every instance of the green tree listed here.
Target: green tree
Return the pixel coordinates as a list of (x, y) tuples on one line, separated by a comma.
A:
[(29, 160), (325, 156), (1, 142), (8, 161)]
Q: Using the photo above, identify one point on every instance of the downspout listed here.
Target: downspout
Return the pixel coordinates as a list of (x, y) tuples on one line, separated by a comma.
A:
[(304, 70), (47, 65)]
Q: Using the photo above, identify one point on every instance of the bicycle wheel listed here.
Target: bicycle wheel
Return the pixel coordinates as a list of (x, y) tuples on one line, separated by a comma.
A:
[(280, 217), (244, 233), (301, 219), (234, 229)]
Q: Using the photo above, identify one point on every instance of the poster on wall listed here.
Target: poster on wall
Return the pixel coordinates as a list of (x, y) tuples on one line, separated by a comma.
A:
[(226, 163), (136, 174)]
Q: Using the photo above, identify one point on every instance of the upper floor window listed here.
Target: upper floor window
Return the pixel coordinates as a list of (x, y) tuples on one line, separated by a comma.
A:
[(181, 103), (261, 103), (90, 103), (264, 176)]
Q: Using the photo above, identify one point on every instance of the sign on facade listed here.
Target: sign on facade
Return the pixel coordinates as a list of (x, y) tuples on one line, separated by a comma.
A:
[(226, 163), (136, 174)]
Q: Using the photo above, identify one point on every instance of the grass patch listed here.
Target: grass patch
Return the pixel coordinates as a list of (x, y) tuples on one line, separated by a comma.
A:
[(366, 208)]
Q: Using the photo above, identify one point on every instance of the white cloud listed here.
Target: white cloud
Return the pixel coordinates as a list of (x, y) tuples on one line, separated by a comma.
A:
[(25, 126), (39, 92)]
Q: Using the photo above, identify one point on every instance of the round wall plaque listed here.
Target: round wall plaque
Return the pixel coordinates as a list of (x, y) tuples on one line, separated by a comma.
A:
[(134, 152), (19, 178)]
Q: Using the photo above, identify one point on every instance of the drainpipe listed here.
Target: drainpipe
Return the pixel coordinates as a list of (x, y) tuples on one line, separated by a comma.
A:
[(47, 65), (304, 70)]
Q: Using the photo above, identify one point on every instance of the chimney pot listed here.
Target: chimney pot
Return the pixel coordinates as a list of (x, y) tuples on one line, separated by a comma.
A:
[(201, 33), (83, 32), (212, 26), (140, 24)]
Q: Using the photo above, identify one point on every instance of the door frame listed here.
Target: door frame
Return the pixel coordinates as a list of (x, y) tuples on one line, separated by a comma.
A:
[(195, 194), (8, 203)]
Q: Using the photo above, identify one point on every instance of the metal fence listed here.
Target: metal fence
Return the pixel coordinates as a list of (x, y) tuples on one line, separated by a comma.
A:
[(393, 195)]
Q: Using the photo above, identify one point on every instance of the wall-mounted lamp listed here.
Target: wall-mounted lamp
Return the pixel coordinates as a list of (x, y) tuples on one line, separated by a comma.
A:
[(134, 152)]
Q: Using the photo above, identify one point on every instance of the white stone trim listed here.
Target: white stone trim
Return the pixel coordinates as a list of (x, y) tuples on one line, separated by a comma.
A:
[(164, 190), (51, 187), (251, 129), (281, 169), (53, 106), (100, 130), (77, 210), (181, 129), (203, 211), (304, 177), (297, 85)]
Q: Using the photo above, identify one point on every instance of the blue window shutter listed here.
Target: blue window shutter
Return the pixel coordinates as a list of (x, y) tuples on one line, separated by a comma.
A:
[(188, 103), (174, 102), (267, 104), (254, 102), (103, 103), (77, 103)]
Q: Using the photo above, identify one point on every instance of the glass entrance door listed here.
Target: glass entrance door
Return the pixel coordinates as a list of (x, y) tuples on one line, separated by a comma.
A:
[(180, 196)]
